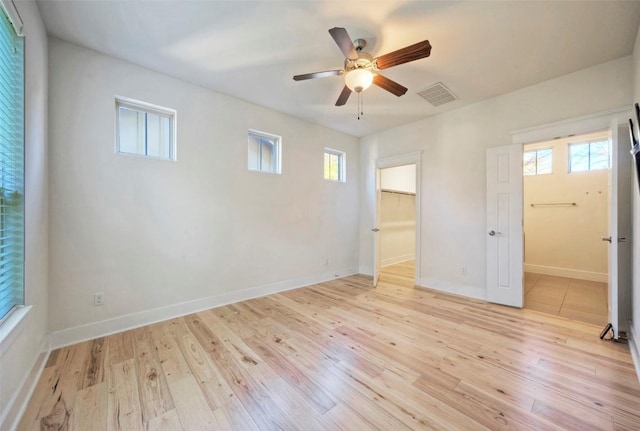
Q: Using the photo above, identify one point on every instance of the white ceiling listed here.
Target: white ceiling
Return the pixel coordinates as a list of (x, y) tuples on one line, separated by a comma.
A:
[(251, 49)]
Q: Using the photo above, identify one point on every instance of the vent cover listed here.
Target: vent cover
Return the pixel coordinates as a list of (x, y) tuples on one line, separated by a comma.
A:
[(437, 94)]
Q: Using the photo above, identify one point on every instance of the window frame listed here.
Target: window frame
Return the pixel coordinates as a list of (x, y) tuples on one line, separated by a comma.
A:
[(536, 150), (277, 145), (147, 108), (589, 143), (342, 164)]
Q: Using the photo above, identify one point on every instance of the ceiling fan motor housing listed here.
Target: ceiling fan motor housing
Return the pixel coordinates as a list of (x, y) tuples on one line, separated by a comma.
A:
[(365, 61)]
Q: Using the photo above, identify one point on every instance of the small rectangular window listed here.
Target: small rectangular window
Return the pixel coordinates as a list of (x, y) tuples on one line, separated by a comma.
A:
[(589, 156), (145, 130), (264, 152), (537, 162), (334, 165)]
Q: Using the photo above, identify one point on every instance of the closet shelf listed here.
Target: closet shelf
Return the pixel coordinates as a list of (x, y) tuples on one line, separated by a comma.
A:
[(556, 204)]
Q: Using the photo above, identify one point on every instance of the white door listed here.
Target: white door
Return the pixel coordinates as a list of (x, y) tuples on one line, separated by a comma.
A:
[(504, 225), (376, 231), (619, 234)]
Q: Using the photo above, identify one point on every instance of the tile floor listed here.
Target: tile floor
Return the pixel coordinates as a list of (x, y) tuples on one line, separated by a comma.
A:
[(581, 300)]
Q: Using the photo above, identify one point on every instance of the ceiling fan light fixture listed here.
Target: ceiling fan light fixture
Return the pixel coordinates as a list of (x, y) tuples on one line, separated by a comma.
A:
[(358, 80)]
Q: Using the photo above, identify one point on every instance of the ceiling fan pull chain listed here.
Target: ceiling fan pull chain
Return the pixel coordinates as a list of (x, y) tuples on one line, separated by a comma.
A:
[(360, 105)]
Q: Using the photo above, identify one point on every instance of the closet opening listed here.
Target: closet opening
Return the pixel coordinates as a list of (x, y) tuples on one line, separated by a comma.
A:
[(566, 188), (397, 224)]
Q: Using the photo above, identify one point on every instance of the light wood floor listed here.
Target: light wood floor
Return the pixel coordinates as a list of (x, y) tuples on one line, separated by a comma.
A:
[(581, 300), (343, 356)]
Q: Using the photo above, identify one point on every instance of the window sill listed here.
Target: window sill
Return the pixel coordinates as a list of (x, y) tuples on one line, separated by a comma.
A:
[(11, 328)]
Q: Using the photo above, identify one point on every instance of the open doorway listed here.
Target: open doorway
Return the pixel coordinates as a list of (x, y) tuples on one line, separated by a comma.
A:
[(397, 224), (566, 187)]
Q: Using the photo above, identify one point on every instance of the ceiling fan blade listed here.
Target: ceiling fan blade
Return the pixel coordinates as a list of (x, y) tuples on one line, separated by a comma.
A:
[(344, 96), (410, 53), (344, 42), (387, 84), (314, 75)]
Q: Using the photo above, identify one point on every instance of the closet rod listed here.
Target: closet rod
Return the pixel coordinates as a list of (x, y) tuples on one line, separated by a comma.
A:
[(556, 204), (398, 192)]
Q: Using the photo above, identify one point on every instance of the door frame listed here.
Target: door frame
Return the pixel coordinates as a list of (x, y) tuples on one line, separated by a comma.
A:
[(414, 158), (605, 120)]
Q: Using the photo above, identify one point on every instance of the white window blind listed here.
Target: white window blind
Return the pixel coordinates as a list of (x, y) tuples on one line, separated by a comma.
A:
[(11, 167)]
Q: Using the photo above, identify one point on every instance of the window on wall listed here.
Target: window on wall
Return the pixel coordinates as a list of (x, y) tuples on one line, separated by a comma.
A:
[(11, 167), (145, 130), (264, 152), (537, 162), (334, 165), (589, 156)]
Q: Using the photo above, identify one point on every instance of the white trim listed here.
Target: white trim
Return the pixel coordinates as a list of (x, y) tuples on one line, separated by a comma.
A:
[(397, 259), (11, 415), (413, 158), (342, 161), (455, 288), (566, 272), (574, 126), (12, 326), (10, 8), (634, 347), (114, 325), (278, 148), (141, 106)]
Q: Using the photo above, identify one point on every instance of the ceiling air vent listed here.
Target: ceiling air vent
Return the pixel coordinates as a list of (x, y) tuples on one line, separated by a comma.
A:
[(437, 94)]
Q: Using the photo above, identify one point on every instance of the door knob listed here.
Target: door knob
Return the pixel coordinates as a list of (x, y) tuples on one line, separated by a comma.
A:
[(606, 238), (494, 233), (375, 229)]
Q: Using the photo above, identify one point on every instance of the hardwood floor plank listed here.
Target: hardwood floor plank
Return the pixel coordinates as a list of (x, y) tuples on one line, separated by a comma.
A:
[(288, 371), (154, 393), (403, 416), (57, 387), (120, 347), (233, 416), (168, 421), (261, 408), (89, 411), (174, 365), (342, 355), (191, 406), (123, 407), (211, 381), (93, 372)]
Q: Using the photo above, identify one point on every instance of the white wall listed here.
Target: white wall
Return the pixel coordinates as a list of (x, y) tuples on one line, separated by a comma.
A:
[(397, 227), (152, 234), (20, 362), (453, 166), (397, 214), (399, 178), (565, 240), (635, 313)]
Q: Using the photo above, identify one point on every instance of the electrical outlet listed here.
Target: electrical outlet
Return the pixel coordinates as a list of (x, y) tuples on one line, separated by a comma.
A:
[(327, 261), (463, 271), (98, 298)]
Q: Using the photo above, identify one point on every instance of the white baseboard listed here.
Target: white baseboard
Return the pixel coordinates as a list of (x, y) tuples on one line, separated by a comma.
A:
[(12, 413), (458, 289), (397, 259), (114, 325), (634, 347), (566, 272)]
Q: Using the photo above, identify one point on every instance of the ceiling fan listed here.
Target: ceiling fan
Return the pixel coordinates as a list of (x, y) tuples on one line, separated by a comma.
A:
[(361, 69)]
